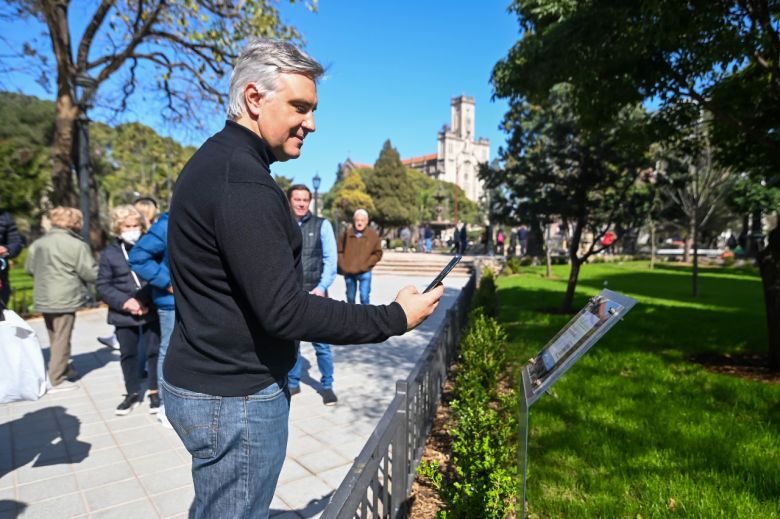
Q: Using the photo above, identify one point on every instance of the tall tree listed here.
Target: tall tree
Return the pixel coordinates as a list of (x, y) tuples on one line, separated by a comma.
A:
[(180, 50), (697, 185), (553, 168), (722, 57), (390, 188), (348, 196)]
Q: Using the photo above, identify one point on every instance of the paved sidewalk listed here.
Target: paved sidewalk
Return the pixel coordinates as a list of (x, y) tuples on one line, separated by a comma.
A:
[(68, 455)]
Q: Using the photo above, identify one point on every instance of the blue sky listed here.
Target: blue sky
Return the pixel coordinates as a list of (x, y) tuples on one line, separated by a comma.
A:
[(392, 68)]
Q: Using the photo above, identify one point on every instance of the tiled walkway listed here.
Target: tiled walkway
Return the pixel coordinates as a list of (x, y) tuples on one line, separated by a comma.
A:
[(68, 455)]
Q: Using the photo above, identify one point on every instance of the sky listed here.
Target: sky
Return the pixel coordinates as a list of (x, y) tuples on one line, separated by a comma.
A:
[(392, 69)]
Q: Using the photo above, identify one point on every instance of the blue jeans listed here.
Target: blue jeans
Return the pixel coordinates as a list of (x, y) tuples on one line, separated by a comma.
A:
[(352, 281), (428, 244), (324, 362), (167, 320), (237, 446)]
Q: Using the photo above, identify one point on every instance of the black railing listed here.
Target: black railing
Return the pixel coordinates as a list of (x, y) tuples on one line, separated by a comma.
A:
[(379, 481)]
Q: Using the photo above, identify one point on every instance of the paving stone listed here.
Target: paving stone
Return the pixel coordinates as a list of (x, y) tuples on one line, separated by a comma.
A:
[(316, 462), (29, 473), (166, 480), (155, 463), (335, 476), (41, 490), (141, 508), (143, 448), (100, 458), (148, 433), (114, 494), (67, 506), (303, 445), (302, 493), (174, 502), (292, 470), (104, 475)]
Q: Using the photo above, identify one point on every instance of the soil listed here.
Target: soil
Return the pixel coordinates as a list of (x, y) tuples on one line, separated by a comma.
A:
[(743, 365), (425, 501)]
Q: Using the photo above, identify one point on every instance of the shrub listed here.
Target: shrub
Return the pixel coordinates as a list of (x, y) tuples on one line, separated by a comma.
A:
[(513, 265), (486, 294)]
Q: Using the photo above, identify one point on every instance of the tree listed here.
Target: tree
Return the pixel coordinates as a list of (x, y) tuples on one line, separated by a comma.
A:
[(697, 186), (390, 189), (181, 49), (554, 168), (349, 195), (283, 182), (721, 57)]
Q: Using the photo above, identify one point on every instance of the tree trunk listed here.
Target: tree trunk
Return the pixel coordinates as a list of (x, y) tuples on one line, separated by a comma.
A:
[(695, 279), (548, 253), (769, 264), (576, 263), (687, 250), (62, 175), (652, 245)]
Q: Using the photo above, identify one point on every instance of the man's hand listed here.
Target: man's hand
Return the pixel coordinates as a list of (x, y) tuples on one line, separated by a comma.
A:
[(317, 292), (170, 289), (417, 306), (3, 251)]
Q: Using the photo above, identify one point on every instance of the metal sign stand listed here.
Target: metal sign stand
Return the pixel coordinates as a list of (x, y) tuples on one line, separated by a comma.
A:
[(580, 334)]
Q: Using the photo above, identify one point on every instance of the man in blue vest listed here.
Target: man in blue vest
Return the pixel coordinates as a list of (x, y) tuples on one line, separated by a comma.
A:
[(319, 258)]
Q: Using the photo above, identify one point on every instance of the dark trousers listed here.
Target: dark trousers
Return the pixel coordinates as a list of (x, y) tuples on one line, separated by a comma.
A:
[(128, 349), (5, 289)]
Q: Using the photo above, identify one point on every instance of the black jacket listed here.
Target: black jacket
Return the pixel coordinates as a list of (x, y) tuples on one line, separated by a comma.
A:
[(115, 284), (9, 236), (235, 259)]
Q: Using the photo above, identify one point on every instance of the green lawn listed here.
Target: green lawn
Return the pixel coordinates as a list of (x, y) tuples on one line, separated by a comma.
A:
[(634, 428), (21, 286)]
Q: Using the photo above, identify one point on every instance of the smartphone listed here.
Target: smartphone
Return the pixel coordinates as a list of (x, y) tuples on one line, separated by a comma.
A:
[(446, 270)]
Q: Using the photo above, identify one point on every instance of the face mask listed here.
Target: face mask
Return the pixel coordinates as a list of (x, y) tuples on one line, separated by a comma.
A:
[(131, 236)]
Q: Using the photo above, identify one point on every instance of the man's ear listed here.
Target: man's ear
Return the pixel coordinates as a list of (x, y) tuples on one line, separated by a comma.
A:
[(253, 99)]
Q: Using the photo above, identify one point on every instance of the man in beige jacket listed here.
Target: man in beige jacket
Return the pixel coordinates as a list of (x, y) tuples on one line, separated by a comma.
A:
[(359, 250)]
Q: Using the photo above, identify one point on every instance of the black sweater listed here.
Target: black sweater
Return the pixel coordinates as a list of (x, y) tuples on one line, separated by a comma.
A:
[(235, 261)]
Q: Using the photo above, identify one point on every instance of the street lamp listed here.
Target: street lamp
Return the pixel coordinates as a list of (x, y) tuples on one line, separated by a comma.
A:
[(83, 90), (315, 182)]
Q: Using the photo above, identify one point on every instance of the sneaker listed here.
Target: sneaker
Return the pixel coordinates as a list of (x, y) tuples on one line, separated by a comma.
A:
[(128, 404), (294, 390), (109, 341), (329, 397), (72, 375), (154, 403), (62, 387)]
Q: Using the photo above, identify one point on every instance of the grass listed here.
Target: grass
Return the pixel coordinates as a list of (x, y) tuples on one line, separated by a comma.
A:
[(635, 429), (21, 289)]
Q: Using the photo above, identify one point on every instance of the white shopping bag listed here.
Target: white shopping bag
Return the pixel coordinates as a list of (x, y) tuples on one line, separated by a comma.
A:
[(22, 371)]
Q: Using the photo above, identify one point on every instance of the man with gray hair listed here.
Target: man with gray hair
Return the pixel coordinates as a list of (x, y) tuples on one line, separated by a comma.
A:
[(235, 261), (359, 251)]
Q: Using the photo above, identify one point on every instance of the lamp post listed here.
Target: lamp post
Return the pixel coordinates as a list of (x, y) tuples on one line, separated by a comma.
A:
[(315, 182), (83, 90)]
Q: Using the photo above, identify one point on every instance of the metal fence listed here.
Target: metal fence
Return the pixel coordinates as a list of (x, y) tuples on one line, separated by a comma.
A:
[(379, 481)]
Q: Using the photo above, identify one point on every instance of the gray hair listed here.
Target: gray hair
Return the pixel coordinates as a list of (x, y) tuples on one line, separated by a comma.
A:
[(361, 212), (261, 62)]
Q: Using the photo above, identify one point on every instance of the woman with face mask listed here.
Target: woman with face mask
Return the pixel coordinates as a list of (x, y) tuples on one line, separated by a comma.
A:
[(130, 308)]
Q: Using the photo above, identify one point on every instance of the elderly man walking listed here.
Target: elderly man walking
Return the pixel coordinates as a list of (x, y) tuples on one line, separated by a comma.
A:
[(359, 251), (236, 264)]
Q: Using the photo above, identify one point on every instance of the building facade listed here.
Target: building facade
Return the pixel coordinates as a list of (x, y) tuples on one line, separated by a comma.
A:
[(459, 153)]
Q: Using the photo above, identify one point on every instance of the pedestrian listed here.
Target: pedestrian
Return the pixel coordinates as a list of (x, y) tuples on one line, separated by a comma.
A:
[(61, 264), (522, 239), (500, 241), (149, 259), (512, 250), (11, 244), (130, 307), (319, 258), (464, 238), (148, 207), (236, 264), (359, 251), (406, 237), (428, 234)]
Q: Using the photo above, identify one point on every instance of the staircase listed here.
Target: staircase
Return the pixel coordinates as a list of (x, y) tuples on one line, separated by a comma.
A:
[(420, 264)]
